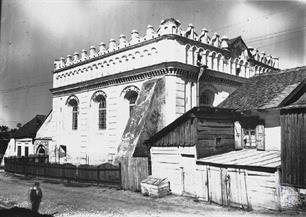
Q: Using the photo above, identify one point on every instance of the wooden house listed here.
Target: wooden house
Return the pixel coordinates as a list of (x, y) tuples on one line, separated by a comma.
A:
[(231, 155), (200, 132), (276, 103), (22, 141), (293, 140), (260, 99)]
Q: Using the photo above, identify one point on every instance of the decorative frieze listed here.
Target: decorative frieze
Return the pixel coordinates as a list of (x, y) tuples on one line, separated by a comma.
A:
[(168, 26)]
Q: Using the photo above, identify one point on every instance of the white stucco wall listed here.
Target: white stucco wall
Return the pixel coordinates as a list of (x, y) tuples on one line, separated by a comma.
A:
[(273, 138)]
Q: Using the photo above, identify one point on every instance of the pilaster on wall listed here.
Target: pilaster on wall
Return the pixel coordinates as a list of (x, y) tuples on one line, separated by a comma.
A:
[(170, 99), (180, 97), (194, 99)]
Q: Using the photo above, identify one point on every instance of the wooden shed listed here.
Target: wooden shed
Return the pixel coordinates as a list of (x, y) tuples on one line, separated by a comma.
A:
[(246, 179), (293, 141), (200, 132)]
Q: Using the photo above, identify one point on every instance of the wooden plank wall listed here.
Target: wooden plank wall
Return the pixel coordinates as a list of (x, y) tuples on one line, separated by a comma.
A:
[(133, 171), (183, 135), (166, 162), (208, 131), (293, 149), (262, 190), (238, 187), (201, 182)]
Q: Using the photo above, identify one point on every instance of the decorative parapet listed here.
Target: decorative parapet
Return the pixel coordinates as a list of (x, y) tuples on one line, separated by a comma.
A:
[(166, 27)]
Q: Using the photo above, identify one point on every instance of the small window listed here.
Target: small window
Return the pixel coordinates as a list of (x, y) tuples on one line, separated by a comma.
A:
[(62, 151), (249, 138), (238, 71), (19, 151), (218, 142), (199, 59), (26, 151)]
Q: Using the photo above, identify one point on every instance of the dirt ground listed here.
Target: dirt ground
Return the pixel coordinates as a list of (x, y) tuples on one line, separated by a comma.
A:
[(93, 201)]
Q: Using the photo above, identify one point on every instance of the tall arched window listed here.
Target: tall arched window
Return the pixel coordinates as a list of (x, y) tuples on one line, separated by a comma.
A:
[(99, 109), (131, 96), (73, 102), (102, 111)]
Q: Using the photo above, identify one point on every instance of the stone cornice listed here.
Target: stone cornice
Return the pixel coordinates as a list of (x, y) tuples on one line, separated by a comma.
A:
[(168, 68), (222, 78)]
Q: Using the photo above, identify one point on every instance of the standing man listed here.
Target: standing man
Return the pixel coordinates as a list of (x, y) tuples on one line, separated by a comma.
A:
[(35, 196)]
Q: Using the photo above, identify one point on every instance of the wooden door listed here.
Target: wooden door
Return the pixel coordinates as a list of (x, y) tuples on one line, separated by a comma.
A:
[(215, 185), (189, 175), (236, 188), (201, 186)]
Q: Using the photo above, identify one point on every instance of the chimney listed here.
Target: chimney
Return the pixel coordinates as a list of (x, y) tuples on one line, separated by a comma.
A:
[(102, 48), (56, 64), (75, 58), (216, 40), (204, 38), (263, 57), (68, 60), (84, 55), (62, 62), (112, 46), (92, 52), (150, 33), (190, 32), (134, 37), (224, 42), (122, 41), (276, 62)]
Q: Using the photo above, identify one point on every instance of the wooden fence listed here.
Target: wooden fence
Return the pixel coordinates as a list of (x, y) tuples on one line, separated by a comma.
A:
[(133, 170), (102, 174)]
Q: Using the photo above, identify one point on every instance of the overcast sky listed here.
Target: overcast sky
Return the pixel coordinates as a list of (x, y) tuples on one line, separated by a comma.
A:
[(35, 32)]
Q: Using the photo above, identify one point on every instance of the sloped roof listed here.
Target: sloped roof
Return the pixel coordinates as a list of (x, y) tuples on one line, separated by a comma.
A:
[(246, 158), (30, 129), (266, 90), (237, 45), (210, 112)]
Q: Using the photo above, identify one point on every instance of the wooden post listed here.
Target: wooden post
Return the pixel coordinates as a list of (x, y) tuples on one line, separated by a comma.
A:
[(238, 135), (278, 189), (260, 137), (249, 208)]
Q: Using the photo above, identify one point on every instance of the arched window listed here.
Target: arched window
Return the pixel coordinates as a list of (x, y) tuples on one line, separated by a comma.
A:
[(102, 111), (207, 97), (73, 102), (131, 96), (41, 150)]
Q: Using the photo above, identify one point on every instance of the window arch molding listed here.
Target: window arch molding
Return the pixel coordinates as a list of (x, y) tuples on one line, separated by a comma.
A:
[(99, 99), (95, 96), (41, 150), (131, 94), (72, 97), (128, 89), (74, 102)]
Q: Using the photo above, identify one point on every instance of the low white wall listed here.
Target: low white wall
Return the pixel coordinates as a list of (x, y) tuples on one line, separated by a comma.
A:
[(273, 138)]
